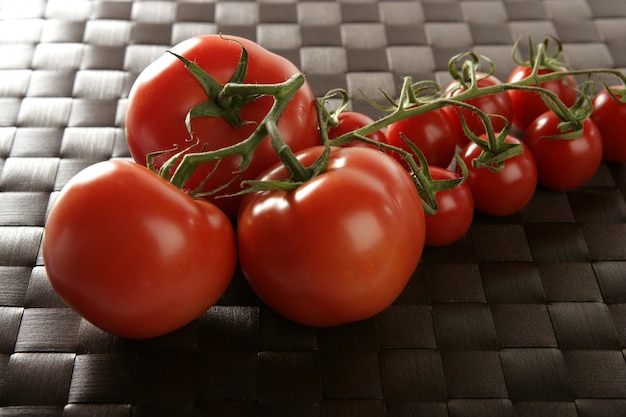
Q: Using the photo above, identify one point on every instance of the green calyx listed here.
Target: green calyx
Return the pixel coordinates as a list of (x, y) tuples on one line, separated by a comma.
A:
[(467, 77), (539, 58), (572, 118), (426, 185), (219, 103)]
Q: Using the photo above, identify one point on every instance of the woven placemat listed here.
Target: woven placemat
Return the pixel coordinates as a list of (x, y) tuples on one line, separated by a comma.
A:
[(525, 316)]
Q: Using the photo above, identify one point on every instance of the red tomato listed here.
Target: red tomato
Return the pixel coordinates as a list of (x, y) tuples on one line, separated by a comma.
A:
[(504, 192), (133, 254), (431, 132), (528, 105), (165, 91), (350, 121), (455, 211), (609, 116), (339, 248), (499, 104), (563, 164)]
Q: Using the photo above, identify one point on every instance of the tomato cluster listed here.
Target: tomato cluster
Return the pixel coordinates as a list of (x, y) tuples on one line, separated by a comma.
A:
[(138, 256), (549, 152), (326, 213)]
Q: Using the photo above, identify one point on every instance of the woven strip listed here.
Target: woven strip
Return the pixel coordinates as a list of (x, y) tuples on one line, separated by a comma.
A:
[(524, 316)]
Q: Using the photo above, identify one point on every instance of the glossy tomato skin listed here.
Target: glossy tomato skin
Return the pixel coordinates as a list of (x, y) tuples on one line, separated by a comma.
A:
[(496, 104), (165, 91), (350, 121), (563, 164), (134, 255), (609, 116), (528, 105), (455, 211), (341, 247), (431, 132), (504, 192)]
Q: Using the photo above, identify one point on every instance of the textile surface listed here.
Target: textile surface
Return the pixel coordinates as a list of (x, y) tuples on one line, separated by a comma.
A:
[(525, 316)]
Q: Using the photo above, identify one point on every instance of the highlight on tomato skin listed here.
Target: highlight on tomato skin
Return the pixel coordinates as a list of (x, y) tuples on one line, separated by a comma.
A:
[(338, 249), (134, 255)]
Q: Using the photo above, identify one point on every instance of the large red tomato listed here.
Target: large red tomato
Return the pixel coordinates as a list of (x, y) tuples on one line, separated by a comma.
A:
[(339, 248), (133, 254), (166, 91)]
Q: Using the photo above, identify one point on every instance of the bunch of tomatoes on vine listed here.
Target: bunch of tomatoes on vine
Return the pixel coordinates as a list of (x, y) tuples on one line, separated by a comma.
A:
[(236, 164)]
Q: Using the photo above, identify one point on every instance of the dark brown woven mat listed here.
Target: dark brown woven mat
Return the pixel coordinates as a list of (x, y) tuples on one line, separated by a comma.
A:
[(526, 316)]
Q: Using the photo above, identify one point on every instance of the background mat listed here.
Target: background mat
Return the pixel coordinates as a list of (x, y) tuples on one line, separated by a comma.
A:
[(525, 316)]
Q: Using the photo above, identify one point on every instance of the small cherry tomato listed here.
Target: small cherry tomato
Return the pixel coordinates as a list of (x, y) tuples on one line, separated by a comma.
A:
[(133, 254), (455, 211), (339, 248), (350, 121), (431, 132), (609, 115), (528, 105), (493, 104), (503, 192), (563, 164)]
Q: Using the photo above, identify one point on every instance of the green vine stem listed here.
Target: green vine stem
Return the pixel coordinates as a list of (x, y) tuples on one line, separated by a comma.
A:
[(414, 99), (423, 106), (282, 93), (540, 59), (413, 102)]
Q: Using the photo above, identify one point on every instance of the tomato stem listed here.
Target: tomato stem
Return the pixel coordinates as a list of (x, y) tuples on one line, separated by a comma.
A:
[(419, 98), (297, 171), (282, 93), (538, 58), (415, 98)]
